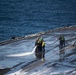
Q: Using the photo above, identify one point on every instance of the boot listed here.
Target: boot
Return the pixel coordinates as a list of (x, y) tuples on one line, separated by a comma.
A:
[(43, 59)]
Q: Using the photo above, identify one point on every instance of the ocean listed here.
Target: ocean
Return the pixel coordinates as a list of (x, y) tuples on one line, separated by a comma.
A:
[(25, 17)]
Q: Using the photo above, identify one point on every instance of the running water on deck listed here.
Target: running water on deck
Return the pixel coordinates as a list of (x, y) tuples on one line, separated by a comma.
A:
[(28, 65)]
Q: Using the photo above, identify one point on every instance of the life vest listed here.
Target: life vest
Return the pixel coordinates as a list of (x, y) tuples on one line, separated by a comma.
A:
[(62, 38), (43, 43)]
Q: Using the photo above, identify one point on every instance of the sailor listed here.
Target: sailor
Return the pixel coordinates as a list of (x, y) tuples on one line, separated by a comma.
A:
[(43, 48), (61, 41), (40, 50), (61, 49)]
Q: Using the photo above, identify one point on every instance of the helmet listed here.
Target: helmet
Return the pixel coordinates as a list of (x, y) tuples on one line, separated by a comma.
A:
[(41, 39)]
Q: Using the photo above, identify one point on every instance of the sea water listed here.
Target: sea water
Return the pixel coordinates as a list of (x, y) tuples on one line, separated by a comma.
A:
[(24, 17)]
